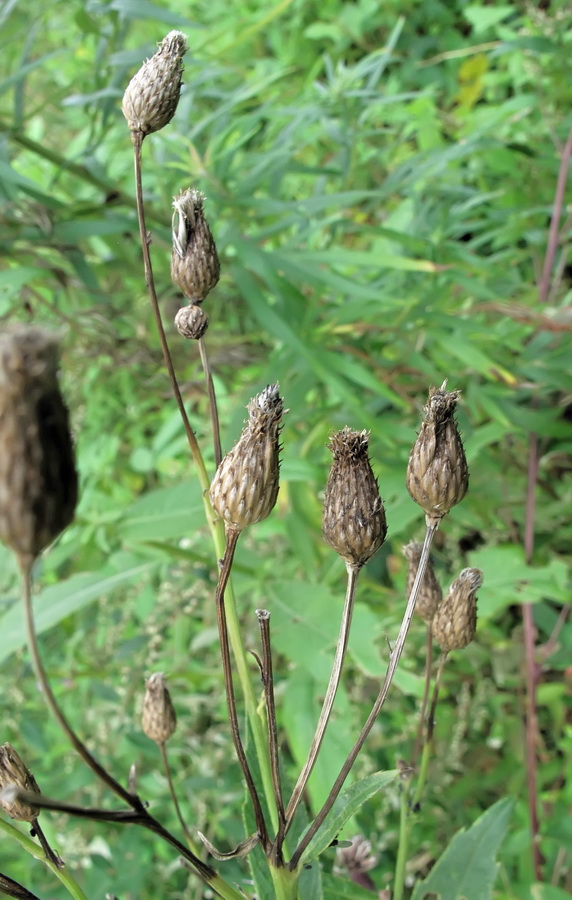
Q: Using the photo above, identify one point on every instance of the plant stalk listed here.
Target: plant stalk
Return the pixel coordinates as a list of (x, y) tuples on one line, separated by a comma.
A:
[(263, 617), (212, 401), (164, 756), (380, 700)]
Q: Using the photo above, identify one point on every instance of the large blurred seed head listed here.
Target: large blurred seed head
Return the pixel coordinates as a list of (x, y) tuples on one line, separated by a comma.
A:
[(437, 474), (353, 520), (38, 478), (152, 95), (195, 267), (455, 622), (245, 486), (159, 719), (14, 772), (430, 593)]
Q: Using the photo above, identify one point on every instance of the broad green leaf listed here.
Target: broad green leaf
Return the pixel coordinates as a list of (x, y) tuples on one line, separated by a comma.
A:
[(548, 892), (483, 17), (56, 602), (467, 870), (343, 889), (508, 580), (166, 513), (347, 805)]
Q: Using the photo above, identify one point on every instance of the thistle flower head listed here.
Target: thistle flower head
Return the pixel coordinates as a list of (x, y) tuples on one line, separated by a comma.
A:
[(195, 267), (430, 593), (455, 621), (353, 520), (245, 486), (159, 720), (152, 95), (14, 772), (38, 479), (192, 321), (437, 474)]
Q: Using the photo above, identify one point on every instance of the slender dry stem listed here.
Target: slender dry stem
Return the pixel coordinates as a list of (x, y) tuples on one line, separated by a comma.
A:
[(164, 756), (231, 541), (263, 617), (50, 854), (353, 573), (421, 725), (212, 401), (380, 700)]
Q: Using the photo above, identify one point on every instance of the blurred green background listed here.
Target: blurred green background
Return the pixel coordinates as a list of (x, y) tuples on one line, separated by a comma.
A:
[(380, 179)]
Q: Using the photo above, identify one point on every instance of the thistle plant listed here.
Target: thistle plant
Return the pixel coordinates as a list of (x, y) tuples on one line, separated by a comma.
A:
[(38, 493)]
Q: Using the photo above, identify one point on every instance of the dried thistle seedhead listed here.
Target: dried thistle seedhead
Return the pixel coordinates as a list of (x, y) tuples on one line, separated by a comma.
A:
[(195, 267), (14, 772), (152, 95), (430, 593), (192, 321), (245, 486), (353, 520), (159, 720), (437, 474), (38, 478), (455, 622)]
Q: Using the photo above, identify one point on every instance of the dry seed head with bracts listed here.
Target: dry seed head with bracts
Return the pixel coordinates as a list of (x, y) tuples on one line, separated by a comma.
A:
[(437, 474), (192, 321), (353, 520), (245, 486), (455, 622), (14, 772), (430, 593), (159, 720), (195, 267), (38, 478), (152, 95)]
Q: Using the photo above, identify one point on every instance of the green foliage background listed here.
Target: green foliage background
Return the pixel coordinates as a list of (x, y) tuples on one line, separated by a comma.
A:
[(380, 179)]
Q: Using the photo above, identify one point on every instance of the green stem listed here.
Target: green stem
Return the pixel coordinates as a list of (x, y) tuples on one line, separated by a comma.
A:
[(285, 882), (34, 849), (403, 847)]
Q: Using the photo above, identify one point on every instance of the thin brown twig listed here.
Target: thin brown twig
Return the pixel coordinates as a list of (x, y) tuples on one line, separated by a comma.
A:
[(226, 565), (175, 799), (263, 617), (212, 401), (50, 854), (421, 725)]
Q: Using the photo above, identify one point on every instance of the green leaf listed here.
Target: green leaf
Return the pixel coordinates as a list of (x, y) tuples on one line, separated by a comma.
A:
[(61, 600), (508, 579), (165, 513), (347, 805), (468, 868)]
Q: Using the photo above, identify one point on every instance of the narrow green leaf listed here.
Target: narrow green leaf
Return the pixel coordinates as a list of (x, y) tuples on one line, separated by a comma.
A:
[(468, 868), (347, 805)]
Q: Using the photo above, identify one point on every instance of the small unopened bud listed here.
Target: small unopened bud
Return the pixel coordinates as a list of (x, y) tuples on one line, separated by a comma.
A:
[(245, 486), (152, 95), (455, 622), (353, 520), (38, 478), (356, 861), (430, 593), (195, 267), (14, 772), (159, 719), (437, 474), (192, 321)]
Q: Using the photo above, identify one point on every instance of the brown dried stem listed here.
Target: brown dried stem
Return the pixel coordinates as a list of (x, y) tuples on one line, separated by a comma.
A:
[(263, 617), (353, 573), (232, 536), (212, 401), (380, 700), (421, 726), (168, 774)]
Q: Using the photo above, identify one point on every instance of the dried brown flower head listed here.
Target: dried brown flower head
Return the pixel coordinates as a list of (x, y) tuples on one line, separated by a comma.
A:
[(455, 622), (430, 593), (195, 267), (245, 486), (152, 95), (38, 478), (192, 321), (159, 720), (14, 772), (437, 474), (353, 520)]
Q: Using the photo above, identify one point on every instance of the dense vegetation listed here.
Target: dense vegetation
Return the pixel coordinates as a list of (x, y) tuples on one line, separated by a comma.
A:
[(381, 183)]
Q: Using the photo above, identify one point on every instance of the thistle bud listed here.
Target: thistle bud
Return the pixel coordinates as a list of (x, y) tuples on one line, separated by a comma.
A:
[(245, 486), (192, 321), (38, 479), (353, 520), (437, 474), (159, 719), (430, 593), (152, 95), (455, 621), (195, 267), (14, 772)]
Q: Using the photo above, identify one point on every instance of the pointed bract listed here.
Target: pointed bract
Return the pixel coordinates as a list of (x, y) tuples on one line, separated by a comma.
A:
[(195, 267), (152, 95)]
